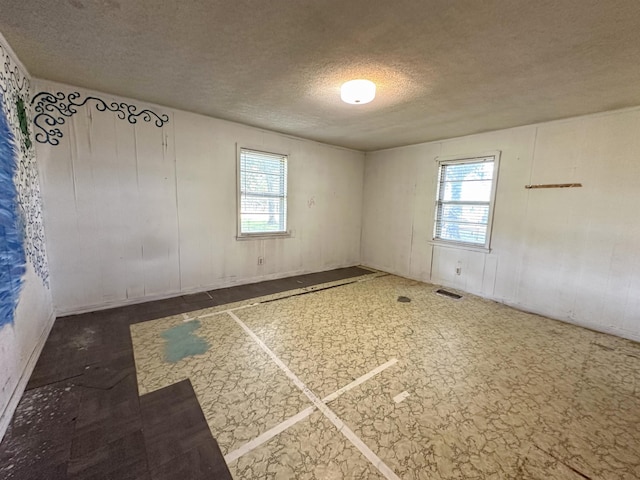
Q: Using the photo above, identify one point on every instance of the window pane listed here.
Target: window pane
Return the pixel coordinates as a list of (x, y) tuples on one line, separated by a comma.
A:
[(263, 192), (465, 213), (470, 191), (261, 222), (260, 183), (262, 163), (468, 171), (253, 204), (464, 201), (468, 233)]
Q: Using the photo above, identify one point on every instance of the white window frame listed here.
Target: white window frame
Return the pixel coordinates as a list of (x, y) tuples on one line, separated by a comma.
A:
[(457, 159), (258, 235)]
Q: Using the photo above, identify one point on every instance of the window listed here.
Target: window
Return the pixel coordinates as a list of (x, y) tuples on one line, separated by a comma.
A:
[(262, 189), (464, 199)]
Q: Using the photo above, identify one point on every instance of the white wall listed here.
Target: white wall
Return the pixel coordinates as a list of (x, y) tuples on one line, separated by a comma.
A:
[(136, 212), (571, 254), (22, 340)]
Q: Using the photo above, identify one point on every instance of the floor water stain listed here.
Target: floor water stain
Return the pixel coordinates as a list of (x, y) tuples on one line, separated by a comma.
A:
[(182, 342)]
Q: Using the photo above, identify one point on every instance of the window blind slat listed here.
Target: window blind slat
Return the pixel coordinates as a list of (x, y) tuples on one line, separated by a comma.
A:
[(465, 213)]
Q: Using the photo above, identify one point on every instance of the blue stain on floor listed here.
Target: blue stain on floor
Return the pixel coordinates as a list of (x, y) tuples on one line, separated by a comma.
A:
[(12, 254), (182, 342)]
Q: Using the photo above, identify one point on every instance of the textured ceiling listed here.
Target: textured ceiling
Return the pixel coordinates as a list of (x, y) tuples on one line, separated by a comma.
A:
[(444, 68)]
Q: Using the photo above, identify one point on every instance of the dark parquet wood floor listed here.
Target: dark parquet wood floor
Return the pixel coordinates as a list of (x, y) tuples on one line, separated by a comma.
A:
[(81, 416)]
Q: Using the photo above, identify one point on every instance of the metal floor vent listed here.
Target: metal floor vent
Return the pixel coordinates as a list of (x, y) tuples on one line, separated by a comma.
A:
[(449, 294)]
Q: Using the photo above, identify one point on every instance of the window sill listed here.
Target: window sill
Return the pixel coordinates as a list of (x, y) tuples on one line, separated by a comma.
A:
[(263, 236), (461, 246)]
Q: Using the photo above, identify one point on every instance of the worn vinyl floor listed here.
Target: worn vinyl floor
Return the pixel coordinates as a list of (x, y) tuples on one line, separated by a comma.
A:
[(348, 382), (82, 416)]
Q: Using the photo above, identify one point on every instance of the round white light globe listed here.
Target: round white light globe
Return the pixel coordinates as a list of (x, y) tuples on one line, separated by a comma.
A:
[(357, 92)]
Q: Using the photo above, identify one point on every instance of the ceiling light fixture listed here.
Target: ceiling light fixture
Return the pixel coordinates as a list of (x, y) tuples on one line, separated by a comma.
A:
[(357, 92)]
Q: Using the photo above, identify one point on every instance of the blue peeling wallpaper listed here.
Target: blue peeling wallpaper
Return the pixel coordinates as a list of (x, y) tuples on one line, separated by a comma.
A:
[(12, 254)]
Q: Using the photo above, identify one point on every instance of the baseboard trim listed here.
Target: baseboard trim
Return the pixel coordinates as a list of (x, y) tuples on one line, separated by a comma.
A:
[(7, 414), (60, 312), (608, 329)]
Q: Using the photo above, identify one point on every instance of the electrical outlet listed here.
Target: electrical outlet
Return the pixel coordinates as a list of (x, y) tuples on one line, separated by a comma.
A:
[(260, 260), (458, 270)]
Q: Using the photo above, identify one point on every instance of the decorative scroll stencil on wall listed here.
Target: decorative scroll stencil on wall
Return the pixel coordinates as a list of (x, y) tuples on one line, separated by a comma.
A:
[(12, 255), (15, 87), (52, 108)]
